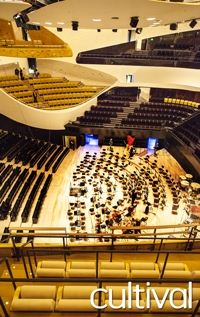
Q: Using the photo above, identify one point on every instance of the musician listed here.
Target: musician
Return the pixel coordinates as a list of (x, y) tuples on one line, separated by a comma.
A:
[(133, 196), (109, 222), (116, 216), (127, 230), (130, 209), (156, 149)]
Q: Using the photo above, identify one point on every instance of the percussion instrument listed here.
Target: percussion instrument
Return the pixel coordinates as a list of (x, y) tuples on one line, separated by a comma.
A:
[(195, 186), (189, 176), (182, 178), (184, 184)]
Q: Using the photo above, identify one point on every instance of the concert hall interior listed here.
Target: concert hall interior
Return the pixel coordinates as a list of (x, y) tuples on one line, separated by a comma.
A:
[(99, 156)]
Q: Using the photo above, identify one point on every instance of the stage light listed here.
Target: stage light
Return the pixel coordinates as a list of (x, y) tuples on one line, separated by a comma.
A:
[(98, 30), (193, 23), (139, 31), (59, 29), (134, 22), (114, 30), (74, 25)]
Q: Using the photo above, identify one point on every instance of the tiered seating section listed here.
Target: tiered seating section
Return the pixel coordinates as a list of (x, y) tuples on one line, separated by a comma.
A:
[(77, 298), (157, 115), (53, 92), (189, 133), (22, 183)]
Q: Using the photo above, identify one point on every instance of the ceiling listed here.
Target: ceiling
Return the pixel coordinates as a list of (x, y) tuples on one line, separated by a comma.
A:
[(114, 14)]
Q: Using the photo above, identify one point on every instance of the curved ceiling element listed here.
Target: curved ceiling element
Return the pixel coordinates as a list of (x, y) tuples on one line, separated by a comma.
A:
[(112, 14), (8, 9)]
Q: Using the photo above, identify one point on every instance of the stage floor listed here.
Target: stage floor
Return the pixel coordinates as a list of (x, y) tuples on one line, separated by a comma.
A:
[(61, 192)]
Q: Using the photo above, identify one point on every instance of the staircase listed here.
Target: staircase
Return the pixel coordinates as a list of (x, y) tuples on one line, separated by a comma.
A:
[(123, 115)]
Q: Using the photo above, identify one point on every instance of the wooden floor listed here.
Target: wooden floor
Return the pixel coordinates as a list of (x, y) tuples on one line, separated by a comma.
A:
[(58, 199)]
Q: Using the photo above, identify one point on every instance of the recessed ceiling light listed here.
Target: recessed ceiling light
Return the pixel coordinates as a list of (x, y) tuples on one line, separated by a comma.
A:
[(96, 20), (61, 23), (156, 23), (35, 22), (49, 23), (150, 19)]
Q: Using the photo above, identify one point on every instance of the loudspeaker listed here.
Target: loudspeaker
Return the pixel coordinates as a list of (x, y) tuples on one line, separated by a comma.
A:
[(74, 25), (193, 23), (134, 22), (173, 26), (18, 21), (59, 29)]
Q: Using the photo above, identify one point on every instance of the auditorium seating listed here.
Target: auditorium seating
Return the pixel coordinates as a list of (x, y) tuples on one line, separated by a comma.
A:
[(34, 298), (75, 299), (51, 269)]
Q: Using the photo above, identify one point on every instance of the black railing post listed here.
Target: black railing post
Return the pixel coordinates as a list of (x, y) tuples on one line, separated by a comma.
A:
[(3, 308), (164, 265), (10, 272)]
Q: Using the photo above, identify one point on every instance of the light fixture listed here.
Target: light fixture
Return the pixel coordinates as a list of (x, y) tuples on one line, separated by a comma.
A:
[(134, 22), (193, 23), (75, 25), (138, 30), (150, 19), (173, 26), (96, 20), (48, 23), (59, 29), (98, 30), (114, 30), (61, 23)]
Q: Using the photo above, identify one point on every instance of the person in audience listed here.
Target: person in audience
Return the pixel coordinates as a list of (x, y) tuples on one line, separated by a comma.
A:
[(35, 94), (17, 72), (21, 74), (109, 222)]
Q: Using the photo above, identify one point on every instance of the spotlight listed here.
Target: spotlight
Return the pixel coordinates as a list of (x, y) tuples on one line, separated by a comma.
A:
[(59, 29), (138, 30), (173, 26), (98, 30), (74, 25), (114, 30), (134, 22), (193, 23)]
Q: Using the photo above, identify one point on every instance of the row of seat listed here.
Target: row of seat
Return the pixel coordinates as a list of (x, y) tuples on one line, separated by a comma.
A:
[(161, 105), (9, 83), (60, 102), (66, 90), (87, 298), (68, 96), (41, 198), (182, 102), (143, 270), (45, 80), (9, 77), (16, 88), (63, 84)]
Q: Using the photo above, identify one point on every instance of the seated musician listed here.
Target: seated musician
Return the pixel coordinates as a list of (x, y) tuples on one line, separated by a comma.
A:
[(116, 216), (109, 222), (130, 209), (127, 230)]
